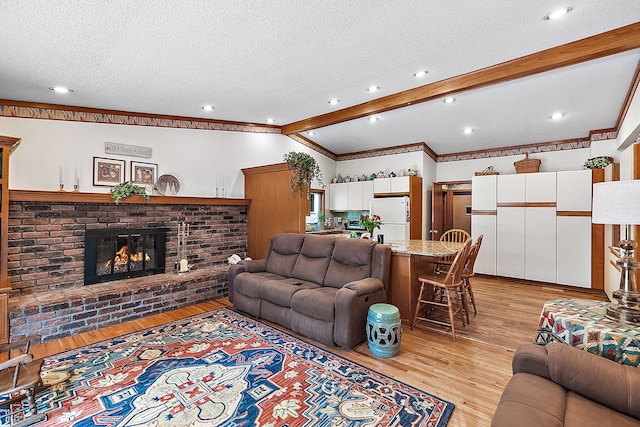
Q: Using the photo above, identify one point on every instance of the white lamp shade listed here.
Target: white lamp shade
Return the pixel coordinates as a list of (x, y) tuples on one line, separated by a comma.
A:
[(616, 202)]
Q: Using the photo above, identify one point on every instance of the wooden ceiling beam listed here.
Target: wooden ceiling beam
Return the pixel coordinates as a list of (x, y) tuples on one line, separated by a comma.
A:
[(609, 43)]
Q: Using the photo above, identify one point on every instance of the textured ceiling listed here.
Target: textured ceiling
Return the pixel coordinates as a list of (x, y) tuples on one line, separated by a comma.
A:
[(285, 59)]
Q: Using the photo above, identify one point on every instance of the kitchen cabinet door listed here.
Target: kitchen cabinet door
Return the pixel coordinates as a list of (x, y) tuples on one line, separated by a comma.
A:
[(399, 184), (510, 239), (486, 260), (354, 196), (483, 193), (574, 251), (338, 197), (367, 195), (511, 188), (382, 185), (574, 190), (540, 244)]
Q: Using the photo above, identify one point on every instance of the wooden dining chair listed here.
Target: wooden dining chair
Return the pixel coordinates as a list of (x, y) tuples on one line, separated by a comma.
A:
[(19, 382), (449, 287), (455, 235), (467, 274)]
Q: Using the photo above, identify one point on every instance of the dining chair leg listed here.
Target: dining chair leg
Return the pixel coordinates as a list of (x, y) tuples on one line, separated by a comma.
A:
[(415, 313), (451, 313), (470, 289), (465, 304)]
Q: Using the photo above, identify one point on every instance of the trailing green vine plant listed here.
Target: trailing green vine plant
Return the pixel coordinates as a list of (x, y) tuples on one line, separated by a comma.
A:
[(127, 189), (305, 170)]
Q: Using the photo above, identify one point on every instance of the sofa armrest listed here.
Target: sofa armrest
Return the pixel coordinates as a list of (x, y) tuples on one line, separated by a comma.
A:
[(596, 378), (254, 265), (234, 270), (365, 286), (531, 358)]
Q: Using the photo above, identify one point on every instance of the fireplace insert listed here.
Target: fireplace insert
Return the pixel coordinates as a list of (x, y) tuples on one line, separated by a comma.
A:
[(121, 253)]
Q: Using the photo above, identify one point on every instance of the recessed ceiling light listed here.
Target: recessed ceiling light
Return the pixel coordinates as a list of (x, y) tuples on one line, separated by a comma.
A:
[(421, 73), (270, 120), (449, 100), (207, 107), (557, 116), (61, 89), (334, 101), (373, 119), (373, 88), (468, 131), (311, 133), (557, 13)]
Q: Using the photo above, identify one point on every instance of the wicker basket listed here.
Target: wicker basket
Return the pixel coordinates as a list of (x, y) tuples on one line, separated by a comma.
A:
[(527, 165), (488, 171)]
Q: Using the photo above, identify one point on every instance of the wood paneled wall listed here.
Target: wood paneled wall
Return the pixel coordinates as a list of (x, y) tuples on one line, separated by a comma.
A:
[(273, 208)]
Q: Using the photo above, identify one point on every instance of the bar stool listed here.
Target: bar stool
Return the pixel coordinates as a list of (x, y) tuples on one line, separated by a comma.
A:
[(451, 288)]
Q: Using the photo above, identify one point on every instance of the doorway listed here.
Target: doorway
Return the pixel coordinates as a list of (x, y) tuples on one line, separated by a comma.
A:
[(451, 207)]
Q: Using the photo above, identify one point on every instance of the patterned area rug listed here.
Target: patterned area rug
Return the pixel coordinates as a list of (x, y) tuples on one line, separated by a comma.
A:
[(224, 369)]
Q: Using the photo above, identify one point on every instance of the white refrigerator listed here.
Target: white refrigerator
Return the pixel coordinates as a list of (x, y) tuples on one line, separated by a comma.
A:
[(394, 214)]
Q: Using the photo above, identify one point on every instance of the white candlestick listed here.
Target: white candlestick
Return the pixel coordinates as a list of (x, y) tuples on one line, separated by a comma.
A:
[(61, 178)]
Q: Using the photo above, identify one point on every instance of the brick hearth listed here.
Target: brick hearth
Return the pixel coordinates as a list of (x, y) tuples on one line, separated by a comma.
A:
[(46, 259)]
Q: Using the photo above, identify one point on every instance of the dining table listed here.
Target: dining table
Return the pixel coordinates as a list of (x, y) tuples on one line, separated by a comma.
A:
[(409, 260)]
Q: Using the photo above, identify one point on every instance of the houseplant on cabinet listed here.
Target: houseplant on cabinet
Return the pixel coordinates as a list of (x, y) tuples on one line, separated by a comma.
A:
[(305, 170)]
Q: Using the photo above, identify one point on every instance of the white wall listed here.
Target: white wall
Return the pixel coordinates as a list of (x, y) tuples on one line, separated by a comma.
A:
[(550, 162), (630, 127), (198, 158)]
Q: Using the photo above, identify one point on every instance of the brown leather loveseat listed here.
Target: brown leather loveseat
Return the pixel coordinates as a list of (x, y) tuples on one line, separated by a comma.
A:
[(560, 385), (318, 286)]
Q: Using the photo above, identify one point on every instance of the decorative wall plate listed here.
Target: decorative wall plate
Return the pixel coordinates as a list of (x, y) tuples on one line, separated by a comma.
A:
[(168, 185)]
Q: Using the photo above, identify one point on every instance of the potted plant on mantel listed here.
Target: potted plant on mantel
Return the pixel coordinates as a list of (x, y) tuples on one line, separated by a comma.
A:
[(127, 189), (305, 170)]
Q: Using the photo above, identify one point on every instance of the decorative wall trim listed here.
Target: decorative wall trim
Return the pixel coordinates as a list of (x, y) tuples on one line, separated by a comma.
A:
[(316, 147), (399, 149), (571, 144), (28, 110)]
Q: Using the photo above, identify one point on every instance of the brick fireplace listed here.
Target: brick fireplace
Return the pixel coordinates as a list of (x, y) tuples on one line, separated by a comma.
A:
[(46, 254)]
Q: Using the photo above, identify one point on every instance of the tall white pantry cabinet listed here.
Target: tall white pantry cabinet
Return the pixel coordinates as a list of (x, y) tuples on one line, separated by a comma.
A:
[(536, 226)]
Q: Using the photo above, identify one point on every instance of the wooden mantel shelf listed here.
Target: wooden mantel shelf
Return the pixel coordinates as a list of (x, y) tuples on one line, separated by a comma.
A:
[(79, 197)]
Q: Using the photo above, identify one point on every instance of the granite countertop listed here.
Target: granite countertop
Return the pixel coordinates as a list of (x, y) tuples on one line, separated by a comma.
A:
[(433, 248)]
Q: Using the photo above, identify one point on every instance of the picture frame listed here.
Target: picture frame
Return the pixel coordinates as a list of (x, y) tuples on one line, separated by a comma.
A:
[(108, 172), (143, 173)]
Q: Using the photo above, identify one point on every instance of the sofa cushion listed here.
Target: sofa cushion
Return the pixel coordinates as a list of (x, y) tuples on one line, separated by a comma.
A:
[(283, 253), (531, 401), (351, 260), (249, 283), (314, 258), (279, 292), (316, 303), (582, 412)]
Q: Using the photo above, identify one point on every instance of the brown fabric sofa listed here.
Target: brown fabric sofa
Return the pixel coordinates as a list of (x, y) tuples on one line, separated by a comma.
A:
[(318, 286), (560, 385)]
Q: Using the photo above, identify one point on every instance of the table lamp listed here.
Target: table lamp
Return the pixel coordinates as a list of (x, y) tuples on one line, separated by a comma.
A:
[(618, 202)]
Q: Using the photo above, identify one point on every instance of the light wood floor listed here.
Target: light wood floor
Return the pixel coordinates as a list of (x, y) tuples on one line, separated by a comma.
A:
[(471, 373)]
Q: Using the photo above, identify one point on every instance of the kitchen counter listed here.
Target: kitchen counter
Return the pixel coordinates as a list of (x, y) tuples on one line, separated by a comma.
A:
[(432, 248), (409, 260)]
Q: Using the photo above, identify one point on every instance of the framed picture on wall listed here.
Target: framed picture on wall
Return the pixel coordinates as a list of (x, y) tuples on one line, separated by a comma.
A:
[(108, 172), (143, 173)]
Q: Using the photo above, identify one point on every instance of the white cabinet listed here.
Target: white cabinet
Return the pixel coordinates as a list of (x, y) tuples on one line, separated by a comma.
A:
[(338, 197), (351, 196), (510, 226), (536, 226), (574, 190), (510, 242), (574, 228), (486, 225), (574, 251), (540, 227), (483, 221), (367, 195), (391, 185)]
